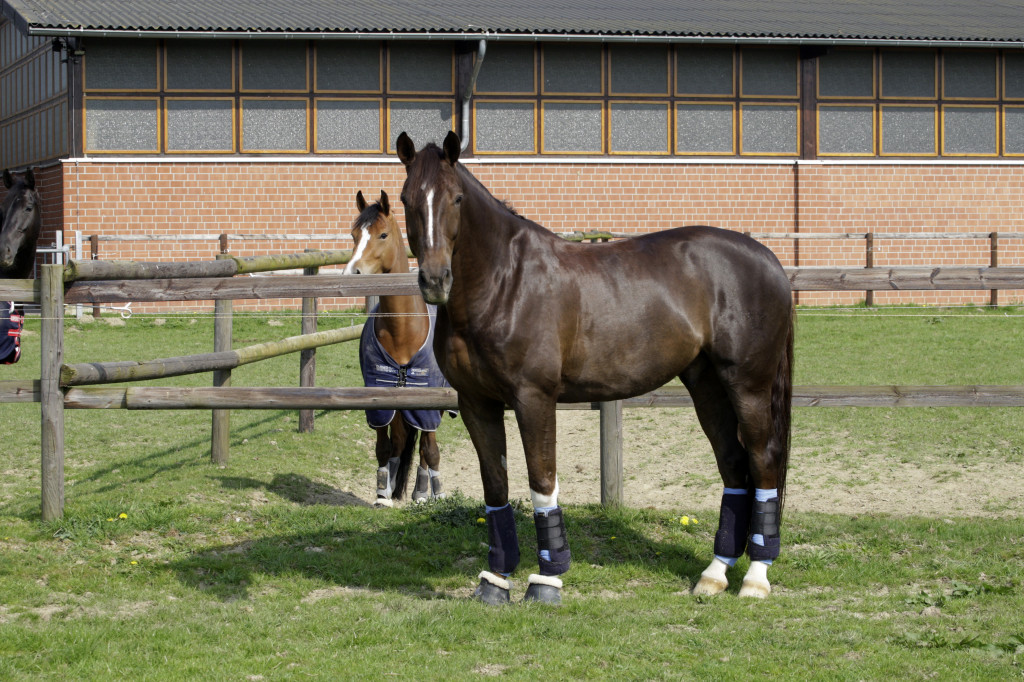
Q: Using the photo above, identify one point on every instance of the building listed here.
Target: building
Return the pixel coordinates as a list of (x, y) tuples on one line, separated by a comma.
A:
[(158, 126)]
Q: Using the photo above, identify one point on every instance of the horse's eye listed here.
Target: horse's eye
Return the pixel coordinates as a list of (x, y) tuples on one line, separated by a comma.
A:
[(383, 235), (458, 199)]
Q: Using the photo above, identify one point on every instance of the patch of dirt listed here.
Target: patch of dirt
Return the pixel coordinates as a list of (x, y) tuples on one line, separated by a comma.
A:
[(674, 469)]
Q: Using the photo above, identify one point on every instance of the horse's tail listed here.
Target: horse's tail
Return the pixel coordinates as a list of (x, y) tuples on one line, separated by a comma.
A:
[(782, 407), (405, 457)]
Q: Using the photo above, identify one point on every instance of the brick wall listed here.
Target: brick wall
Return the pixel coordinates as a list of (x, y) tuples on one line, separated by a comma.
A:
[(192, 199)]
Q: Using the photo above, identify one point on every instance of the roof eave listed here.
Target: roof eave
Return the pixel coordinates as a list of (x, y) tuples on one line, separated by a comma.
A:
[(795, 40)]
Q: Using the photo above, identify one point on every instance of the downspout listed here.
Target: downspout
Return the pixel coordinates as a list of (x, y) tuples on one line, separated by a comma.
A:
[(481, 52)]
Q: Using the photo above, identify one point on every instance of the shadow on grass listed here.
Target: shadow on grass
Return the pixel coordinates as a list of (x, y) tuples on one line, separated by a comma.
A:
[(296, 488), (156, 460), (417, 549)]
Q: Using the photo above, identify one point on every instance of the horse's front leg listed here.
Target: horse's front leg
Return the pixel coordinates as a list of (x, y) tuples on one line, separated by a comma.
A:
[(428, 475), (484, 419), (391, 443), (535, 413)]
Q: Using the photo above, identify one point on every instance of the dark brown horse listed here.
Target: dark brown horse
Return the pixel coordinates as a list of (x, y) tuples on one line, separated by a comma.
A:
[(396, 350), (527, 319), (20, 220)]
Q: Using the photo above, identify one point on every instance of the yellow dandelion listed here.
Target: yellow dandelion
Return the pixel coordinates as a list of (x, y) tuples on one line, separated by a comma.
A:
[(481, 520), (122, 515), (613, 537), (685, 520), (135, 563), (110, 519), (694, 521)]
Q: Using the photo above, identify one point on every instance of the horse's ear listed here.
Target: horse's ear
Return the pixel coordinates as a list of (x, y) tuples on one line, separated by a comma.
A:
[(452, 147), (8, 180), (385, 204), (406, 149), (360, 201), (30, 179)]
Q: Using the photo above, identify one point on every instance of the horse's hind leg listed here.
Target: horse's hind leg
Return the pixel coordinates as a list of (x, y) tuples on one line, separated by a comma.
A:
[(751, 473), (428, 475), (755, 428), (718, 420)]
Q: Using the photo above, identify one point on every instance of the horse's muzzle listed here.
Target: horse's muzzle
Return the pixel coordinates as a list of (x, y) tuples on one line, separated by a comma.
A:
[(435, 287)]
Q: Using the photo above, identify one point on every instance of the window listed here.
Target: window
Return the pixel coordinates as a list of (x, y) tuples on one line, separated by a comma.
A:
[(200, 125), (114, 124)]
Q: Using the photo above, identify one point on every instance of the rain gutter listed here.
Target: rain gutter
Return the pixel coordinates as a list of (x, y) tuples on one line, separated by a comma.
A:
[(481, 52), (526, 36)]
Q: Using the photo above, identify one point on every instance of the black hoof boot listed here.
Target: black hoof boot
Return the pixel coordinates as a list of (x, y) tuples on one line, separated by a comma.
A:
[(546, 589), (493, 589)]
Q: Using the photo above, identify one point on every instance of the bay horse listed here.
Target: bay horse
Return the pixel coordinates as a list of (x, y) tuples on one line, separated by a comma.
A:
[(20, 222), (527, 319), (396, 350)]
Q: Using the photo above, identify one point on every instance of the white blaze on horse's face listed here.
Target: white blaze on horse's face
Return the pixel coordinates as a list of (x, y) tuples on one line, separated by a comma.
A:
[(353, 263), (430, 219)]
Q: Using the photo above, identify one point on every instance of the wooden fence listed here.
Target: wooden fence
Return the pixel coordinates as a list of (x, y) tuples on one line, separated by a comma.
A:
[(869, 238), (63, 387)]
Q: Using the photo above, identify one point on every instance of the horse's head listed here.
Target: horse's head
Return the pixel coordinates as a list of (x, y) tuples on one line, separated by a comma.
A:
[(379, 245), (432, 195), (20, 220)]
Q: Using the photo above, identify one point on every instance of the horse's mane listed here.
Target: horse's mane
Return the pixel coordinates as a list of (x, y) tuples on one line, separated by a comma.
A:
[(435, 158)]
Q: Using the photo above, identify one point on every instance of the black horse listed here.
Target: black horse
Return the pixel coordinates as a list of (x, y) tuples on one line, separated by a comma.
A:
[(20, 222), (527, 319)]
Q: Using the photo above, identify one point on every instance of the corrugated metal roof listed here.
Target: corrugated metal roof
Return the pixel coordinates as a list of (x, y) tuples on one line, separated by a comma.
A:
[(802, 20)]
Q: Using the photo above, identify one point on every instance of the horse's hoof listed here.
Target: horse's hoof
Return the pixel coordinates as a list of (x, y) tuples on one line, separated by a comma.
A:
[(383, 502), (546, 589), (755, 588), (712, 580), (709, 587), (493, 589), (755, 582)]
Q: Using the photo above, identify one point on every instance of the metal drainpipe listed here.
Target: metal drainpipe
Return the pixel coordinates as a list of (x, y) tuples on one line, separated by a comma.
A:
[(481, 52)]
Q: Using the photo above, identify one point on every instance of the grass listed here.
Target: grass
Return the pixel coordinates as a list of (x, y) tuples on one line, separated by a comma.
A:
[(166, 567)]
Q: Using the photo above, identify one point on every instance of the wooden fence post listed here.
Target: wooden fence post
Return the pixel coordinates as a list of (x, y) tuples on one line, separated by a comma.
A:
[(94, 254), (869, 262), (994, 262), (221, 429), (611, 453), (51, 396), (307, 358)]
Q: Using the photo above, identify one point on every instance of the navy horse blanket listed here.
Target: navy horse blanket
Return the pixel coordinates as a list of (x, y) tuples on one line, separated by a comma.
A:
[(11, 323), (380, 370)]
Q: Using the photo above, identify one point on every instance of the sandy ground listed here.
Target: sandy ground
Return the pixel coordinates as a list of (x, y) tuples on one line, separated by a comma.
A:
[(675, 470)]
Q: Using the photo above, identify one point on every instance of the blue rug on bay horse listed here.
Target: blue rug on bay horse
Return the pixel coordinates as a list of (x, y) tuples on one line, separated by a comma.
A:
[(380, 370)]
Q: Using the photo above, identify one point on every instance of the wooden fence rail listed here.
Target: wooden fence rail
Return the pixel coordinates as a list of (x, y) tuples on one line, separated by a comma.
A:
[(316, 398), (113, 372)]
